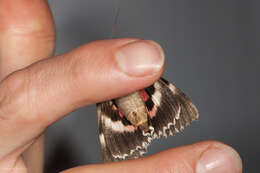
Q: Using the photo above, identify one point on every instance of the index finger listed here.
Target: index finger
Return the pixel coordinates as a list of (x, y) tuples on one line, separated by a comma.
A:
[(27, 34)]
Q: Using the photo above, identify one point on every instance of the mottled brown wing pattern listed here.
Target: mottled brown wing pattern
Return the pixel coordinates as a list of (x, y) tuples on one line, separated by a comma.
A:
[(172, 109), (169, 112), (118, 138)]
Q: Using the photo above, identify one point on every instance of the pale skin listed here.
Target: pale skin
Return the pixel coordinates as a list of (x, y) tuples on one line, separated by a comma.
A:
[(33, 80)]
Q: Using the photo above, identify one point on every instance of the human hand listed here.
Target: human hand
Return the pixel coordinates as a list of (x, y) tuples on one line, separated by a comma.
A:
[(38, 95)]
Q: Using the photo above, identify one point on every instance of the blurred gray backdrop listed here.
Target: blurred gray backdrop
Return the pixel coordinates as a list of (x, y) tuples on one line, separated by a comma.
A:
[(212, 54)]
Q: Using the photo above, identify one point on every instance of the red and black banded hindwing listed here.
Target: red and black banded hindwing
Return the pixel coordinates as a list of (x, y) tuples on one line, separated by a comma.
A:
[(128, 124)]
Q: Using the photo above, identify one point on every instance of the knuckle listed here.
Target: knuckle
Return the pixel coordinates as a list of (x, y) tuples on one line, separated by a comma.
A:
[(34, 31), (80, 64), (15, 103), (79, 70), (88, 59), (11, 95)]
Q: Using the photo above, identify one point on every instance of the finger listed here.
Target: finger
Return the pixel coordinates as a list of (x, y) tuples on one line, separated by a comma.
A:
[(35, 97), (26, 34), (204, 157), (34, 156)]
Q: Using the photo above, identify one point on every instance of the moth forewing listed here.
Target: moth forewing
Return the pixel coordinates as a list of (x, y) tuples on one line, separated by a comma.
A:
[(128, 124)]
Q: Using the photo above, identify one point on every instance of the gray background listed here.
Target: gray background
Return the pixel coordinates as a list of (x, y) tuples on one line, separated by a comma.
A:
[(212, 53)]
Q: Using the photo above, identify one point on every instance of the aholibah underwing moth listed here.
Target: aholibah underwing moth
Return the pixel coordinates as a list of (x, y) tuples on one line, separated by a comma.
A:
[(128, 124)]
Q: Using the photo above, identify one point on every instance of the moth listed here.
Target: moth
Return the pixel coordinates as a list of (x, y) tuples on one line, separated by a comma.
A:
[(128, 124)]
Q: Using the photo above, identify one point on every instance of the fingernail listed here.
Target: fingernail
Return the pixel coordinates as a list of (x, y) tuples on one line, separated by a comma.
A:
[(140, 58), (218, 159)]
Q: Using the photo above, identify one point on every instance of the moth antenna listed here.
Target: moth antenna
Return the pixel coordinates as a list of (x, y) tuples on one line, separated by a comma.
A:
[(115, 19)]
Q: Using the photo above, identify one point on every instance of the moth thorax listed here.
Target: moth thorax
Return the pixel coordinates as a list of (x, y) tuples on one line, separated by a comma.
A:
[(133, 108)]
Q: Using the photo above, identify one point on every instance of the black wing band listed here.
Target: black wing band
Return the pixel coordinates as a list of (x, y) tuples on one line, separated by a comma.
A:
[(172, 109)]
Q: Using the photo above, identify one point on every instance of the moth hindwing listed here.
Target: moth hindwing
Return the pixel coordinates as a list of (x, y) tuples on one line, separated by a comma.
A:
[(128, 124)]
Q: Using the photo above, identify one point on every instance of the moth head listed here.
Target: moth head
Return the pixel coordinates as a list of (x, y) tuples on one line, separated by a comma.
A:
[(139, 118)]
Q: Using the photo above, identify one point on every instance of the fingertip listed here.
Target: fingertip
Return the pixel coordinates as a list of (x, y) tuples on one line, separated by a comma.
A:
[(140, 58), (202, 157), (120, 65), (219, 157)]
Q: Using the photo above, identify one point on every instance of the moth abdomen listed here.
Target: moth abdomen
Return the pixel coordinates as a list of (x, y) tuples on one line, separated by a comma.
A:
[(133, 108)]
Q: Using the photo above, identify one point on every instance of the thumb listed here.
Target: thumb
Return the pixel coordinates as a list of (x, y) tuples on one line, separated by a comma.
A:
[(203, 157), (92, 73)]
